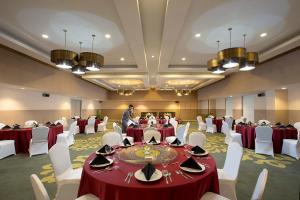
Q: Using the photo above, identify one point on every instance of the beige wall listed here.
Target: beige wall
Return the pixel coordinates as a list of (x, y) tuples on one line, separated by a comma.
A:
[(220, 107), (151, 101)]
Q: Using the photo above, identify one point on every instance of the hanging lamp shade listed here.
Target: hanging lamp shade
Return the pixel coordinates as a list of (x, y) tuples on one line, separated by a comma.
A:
[(78, 69), (91, 61), (64, 59), (250, 62), (214, 67), (231, 57)]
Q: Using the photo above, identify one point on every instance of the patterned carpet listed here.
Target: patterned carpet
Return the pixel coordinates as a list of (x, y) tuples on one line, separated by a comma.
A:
[(283, 182)]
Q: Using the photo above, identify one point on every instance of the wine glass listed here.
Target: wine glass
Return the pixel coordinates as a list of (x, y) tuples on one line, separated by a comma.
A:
[(165, 162), (107, 149)]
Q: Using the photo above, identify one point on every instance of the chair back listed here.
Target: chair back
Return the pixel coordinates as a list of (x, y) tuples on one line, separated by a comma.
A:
[(199, 119), (59, 121), (30, 123), (225, 128), (117, 128), (229, 122), (76, 117), (180, 132), (167, 117), (264, 133), (264, 121), (111, 139), (105, 119), (2, 125), (39, 189), (60, 158), (187, 127), (149, 129), (174, 123), (233, 160), (91, 121), (72, 128), (40, 134), (152, 133), (297, 126), (152, 121), (197, 139), (209, 121), (260, 185)]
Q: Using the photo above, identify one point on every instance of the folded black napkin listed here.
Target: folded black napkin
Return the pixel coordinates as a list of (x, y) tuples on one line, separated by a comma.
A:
[(197, 150), (16, 126), (48, 123), (241, 123), (166, 125), (99, 160), (281, 126), (58, 123), (176, 141), (52, 124), (148, 170), (191, 163), (278, 124), (135, 126), (126, 142), (6, 127), (153, 140), (102, 149), (290, 126)]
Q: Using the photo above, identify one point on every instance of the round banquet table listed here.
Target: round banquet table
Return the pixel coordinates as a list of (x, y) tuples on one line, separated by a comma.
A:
[(83, 122), (110, 185), (23, 136), (248, 136), (137, 133), (218, 123)]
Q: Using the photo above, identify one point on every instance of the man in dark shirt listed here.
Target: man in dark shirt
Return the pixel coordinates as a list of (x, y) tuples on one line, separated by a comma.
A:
[(127, 115)]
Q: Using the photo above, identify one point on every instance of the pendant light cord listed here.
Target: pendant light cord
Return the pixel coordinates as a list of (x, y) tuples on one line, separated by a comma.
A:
[(230, 36), (218, 41), (65, 30), (93, 42), (244, 40)]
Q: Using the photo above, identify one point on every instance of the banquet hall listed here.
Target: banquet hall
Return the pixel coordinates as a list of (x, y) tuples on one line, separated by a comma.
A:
[(150, 99)]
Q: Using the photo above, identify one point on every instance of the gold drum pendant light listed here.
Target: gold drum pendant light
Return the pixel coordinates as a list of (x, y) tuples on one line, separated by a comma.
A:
[(231, 57), (64, 58), (214, 65), (250, 61), (78, 69)]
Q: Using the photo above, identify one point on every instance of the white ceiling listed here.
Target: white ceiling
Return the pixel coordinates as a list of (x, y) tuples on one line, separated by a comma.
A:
[(142, 29)]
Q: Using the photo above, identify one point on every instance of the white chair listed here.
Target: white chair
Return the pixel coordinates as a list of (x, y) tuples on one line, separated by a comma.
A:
[(231, 136), (180, 134), (197, 139), (102, 125), (76, 117), (291, 147), (297, 126), (263, 140), (167, 118), (68, 136), (111, 139), (201, 124), (90, 127), (66, 192), (63, 171), (210, 127), (256, 195), (229, 121), (39, 142), (30, 123), (118, 129), (229, 174), (59, 121), (152, 121), (2, 125), (264, 121), (7, 148), (149, 129), (152, 133), (174, 123)]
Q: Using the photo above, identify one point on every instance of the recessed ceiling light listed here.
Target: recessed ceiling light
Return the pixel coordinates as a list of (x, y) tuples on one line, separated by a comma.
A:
[(45, 36), (108, 36), (122, 59), (22, 88), (263, 35), (152, 56), (183, 59), (197, 35), (283, 88)]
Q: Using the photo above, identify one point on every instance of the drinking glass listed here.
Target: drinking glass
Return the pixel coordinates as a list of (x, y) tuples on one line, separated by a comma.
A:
[(107, 149), (165, 161)]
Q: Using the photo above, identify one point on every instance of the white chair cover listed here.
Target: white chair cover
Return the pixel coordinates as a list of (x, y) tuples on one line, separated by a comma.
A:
[(297, 126), (39, 142), (152, 121), (260, 185), (149, 129), (201, 124), (118, 129), (263, 140), (30, 123), (264, 121), (228, 175), (179, 134), (174, 123), (90, 127), (231, 136), (102, 125), (39, 189), (210, 127), (68, 136), (229, 121), (7, 148), (111, 139), (2, 125), (291, 147), (152, 133), (197, 139)]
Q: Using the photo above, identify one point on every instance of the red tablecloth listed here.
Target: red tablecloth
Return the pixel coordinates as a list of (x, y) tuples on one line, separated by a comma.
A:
[(83, 122), (248, 136), (111, 186), (145, 121), (23, 136), (218, 123), (137, 133)]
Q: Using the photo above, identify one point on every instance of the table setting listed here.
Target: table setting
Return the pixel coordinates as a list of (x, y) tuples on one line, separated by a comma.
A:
[(149, 170)]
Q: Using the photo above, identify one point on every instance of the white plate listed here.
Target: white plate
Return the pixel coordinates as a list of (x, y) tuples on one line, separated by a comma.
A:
[(200, 154), (175, 145), (153, 143), (139, 175), (103, 165), (193, 170), (122, 145), (105, 154)]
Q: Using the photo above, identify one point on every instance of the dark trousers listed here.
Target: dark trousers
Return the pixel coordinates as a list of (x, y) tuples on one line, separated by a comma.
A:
[(124, 127)]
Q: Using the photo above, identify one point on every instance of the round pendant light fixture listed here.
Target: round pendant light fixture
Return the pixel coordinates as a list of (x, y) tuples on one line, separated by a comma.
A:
[(250, 61), (64, 58), (213, 64)]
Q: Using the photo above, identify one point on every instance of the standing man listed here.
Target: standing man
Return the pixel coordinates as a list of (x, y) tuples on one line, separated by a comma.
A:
[(127, 115)]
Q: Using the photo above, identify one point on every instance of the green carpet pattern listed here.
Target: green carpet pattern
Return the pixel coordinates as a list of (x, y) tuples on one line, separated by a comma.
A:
[(283, 180)]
